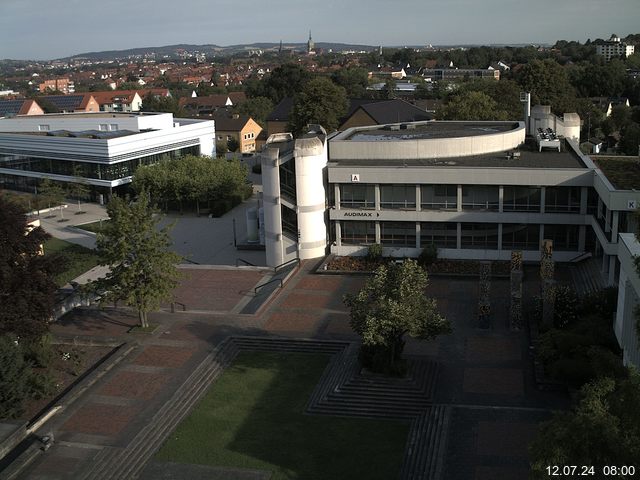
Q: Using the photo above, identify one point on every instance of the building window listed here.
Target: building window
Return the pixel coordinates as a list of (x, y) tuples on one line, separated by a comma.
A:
[(520, 236), (103, 127), (480, 236), (358, 233), (113, 127), (398, 234), (521, 199), (564, 237), (357, 196), (289, 222), (562, 200), (439, 197), (442, 235), (398, 196), (288, 179), (44, 128), (480, 197)]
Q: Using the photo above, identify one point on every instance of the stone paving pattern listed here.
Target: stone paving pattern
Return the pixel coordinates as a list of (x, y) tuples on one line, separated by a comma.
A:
[(485, 377)]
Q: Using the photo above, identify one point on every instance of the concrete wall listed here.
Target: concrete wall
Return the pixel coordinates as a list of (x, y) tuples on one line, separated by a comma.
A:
[(628, 295), (421, 148)]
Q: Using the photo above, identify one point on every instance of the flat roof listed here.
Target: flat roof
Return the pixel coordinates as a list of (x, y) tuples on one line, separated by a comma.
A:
[(529, 157), (427, 130), (622, 172), (88, 114)]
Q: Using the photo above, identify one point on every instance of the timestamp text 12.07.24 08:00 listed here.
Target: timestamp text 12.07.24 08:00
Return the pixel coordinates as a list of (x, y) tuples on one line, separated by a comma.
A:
[(621, 471)]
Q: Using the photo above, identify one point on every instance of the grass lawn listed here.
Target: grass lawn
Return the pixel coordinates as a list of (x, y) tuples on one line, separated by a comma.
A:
[(252, 417), (78, 259), (93, 226)]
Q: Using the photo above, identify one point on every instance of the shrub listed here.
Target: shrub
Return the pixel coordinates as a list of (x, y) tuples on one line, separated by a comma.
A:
[(603, 302), (220, 207), (39, 352), (374, 252), (566, 307), (428, 255)]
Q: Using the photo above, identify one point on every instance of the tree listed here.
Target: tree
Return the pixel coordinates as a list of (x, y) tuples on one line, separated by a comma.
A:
[(391, 305), (27, 287), (630, 139), (79, 187), (51, 193), (472, 106), (354, 80), (233, 145), (603, 429), (257, 108), (284, 81), (320, 101), (156, 103), (548, 83), (143, 271)]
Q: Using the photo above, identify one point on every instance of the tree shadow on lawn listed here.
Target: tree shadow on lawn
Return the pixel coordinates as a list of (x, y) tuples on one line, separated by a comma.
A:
[(253, 417)]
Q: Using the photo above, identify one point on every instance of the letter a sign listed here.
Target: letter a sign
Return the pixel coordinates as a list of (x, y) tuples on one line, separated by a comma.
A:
[(355, 177)]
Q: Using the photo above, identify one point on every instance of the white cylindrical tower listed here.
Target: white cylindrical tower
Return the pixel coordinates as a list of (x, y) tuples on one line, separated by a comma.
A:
[(311, 159), (274, 242)]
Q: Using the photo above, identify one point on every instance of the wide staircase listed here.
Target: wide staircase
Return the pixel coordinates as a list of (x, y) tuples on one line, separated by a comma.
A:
[(343, 390), (587, 277)]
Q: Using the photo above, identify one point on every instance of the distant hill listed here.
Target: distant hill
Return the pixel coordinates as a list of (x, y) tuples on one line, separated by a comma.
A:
[(209, 49)]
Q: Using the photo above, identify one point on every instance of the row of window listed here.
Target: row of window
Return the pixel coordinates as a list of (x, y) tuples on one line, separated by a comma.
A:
[(482, 236), (474, 197), (74, 168)]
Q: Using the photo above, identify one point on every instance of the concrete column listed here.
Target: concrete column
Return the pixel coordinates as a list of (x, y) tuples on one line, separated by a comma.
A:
[(543, 194), (612, 270), (418, 198), (377, 196), (459, 198), (338, 225), (500, 201), (614, 226), (336, 194), (541, 236), (418, 230), (378, 233), (582, 236), (500, 233), (459, 235), (584, 194)]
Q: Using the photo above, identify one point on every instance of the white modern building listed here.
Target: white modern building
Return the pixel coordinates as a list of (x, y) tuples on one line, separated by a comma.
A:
[(102, 148), (475, 190), (614, 48)]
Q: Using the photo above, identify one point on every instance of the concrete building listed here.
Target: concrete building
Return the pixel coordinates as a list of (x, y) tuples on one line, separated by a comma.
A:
[(103, 149), (614, 48), (118, 100), (241, 128), (475, 190), (63, 85)]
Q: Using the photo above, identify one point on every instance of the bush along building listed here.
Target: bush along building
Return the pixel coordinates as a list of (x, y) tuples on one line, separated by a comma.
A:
[(475, 190), (99, 149)]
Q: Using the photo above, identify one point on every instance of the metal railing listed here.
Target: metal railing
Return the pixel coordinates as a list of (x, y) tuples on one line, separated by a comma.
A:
[(282, 265), (173, 306), (244, 261), (255, 290)]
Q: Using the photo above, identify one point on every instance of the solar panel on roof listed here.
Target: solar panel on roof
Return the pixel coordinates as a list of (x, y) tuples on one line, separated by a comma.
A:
[(10, 107)]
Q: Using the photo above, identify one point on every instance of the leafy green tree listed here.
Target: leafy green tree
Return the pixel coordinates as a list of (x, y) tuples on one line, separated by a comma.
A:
[(389, 90), (471, 106), (506, 94), (143, 270), (603, 429), (257, 108), (630, 139), (354, 80), (27, 287), (393, 304), (50, 192), (320, 101), (18, 381), (284, 81), (156, 103), (548, 83), (233, 145), (79, 187)]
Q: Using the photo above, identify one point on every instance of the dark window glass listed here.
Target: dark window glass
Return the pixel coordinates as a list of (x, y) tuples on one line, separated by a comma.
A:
[(521, 199), (564, 237), (520, 236), (562, 200), (357, 196), (398, 234), (480, 235), (439, 197), (358, 233), (398, 196), (442, 235), (480, 197)]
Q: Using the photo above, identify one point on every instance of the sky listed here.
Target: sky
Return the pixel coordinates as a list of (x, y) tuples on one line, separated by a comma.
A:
[(42, 30)]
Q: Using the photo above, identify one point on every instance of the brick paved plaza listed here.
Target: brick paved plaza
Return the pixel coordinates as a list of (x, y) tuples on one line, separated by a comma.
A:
[(485, 375)]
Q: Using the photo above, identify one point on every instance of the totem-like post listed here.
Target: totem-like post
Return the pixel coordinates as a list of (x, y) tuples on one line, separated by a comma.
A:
[(547, 272), (484, 302), (515, 306)]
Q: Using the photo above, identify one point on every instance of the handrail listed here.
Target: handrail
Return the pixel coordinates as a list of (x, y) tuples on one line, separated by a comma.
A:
[(244, 261), (255, 290), (173, 306), (296, 260), (582, 256)]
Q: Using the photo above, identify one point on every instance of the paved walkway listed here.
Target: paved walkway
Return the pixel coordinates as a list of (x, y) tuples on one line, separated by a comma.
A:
[(485, 378)]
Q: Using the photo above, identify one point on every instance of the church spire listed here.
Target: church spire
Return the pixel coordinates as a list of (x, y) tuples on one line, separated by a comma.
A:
[(310, 44)]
